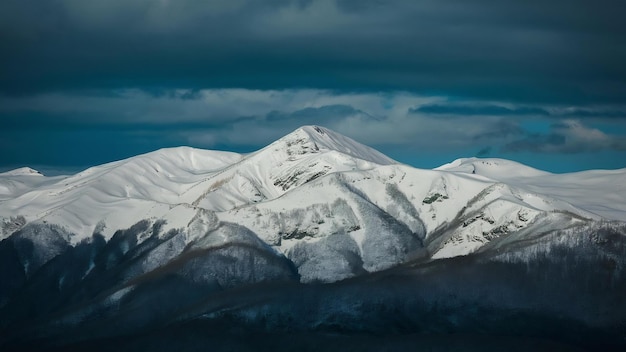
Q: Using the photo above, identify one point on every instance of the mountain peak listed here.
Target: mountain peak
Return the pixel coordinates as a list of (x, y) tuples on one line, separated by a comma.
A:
[(22, 171), (313, 139), (494, 168)]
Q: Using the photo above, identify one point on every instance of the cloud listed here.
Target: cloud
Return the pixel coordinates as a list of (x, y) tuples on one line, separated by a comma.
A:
[(617, 112), (245, 117), (498, 129), (484, 152), (134, 107), (478, 109), (126, 122), (97, 126), (320, 115), (569, 136), (557, 51), (262, 129)]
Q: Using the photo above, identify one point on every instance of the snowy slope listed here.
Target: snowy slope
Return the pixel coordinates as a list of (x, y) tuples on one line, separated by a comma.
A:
[(452, 214), (601, 192), (307, 153), (332, 206), (494, 168), (19, 181), (181, 233), (22, 171), (119, 193)]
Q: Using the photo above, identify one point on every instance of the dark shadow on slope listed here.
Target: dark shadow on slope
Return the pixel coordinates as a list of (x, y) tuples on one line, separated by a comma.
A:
[(560, 292)]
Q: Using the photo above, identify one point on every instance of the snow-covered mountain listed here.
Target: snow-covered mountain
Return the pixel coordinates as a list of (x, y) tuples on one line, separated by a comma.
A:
[(314, 206), (309, 189), (601, 192)]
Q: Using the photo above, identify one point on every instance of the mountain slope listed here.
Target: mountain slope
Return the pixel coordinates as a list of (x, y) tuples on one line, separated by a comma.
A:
[(307, 153), (119, 193), (601, 192), (19, 181), (287, 194), (147, 186), (188, 235)]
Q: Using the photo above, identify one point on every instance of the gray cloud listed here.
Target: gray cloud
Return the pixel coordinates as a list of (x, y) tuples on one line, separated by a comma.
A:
[(211, 108), (264, 128), (92, 127), (570, 137), (499, 130), (557, 51), (317, 115), (233, 119), (484, 152), (618, 112), (476, 109)]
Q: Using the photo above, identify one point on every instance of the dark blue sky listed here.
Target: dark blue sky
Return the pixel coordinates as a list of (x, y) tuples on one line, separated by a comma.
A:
[(86, 82)]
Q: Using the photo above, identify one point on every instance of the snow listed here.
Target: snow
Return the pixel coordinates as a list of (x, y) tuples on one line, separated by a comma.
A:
[(601, 192), (330, 140), (19, 181), (147, 186), (119, 193), (492, 167), (313, 191), (305, 154), (23, 171)]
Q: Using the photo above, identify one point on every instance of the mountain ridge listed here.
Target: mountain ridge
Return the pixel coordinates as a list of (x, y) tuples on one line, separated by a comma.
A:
[(177, 176), (188, 235)]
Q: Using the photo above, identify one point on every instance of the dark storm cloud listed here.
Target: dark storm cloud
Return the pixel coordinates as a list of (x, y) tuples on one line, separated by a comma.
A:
[(557, 51), (137, 109)]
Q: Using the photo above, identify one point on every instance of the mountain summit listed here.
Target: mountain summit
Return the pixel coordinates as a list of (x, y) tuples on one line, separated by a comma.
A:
[(312, 207), (316, 138), (22, 171)]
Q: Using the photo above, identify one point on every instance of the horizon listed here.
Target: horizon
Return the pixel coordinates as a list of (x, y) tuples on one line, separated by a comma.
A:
[(425, 83), (70, 170)]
